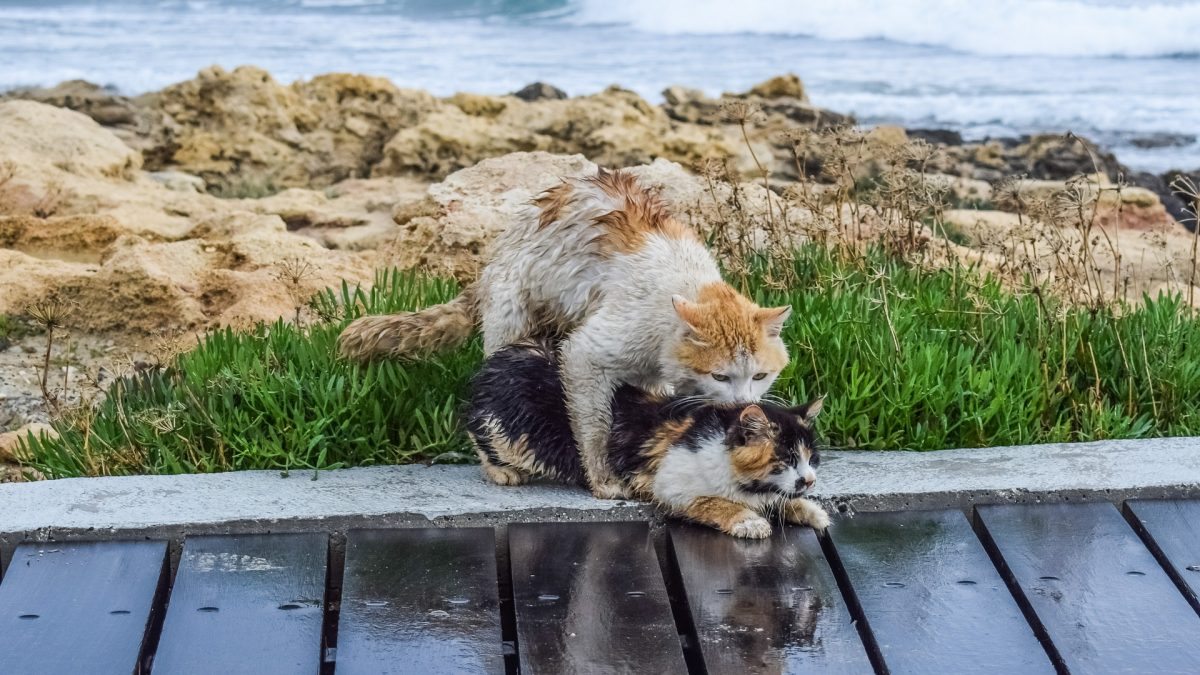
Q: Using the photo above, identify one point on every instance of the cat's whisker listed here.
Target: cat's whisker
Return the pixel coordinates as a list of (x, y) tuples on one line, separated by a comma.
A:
[(686, 403), (776, 399)]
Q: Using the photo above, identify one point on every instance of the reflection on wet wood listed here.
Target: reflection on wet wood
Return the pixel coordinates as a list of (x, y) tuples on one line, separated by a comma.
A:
[(1174, 529), (766, 606), (931, 596), (79, 607), (589, 598), (1105, 602), (246, 604), (420, 601)]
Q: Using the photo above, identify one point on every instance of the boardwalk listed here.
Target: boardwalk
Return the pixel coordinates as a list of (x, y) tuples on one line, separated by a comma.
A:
[(1079, 588)]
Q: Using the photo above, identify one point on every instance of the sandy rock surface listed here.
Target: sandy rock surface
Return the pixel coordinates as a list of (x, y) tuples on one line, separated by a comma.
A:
[(180, 210)]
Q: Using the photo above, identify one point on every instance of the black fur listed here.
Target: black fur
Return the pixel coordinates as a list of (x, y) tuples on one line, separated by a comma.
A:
[(519, 386)]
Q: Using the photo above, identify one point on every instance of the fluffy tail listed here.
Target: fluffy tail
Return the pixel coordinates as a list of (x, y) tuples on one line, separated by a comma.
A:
[(410, 334)]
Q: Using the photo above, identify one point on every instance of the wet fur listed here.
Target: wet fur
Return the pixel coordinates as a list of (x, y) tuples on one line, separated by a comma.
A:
[(710, 463), (635, 294)]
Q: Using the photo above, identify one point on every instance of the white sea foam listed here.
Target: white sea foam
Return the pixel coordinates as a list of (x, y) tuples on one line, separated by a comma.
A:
[(993, 27), (498, 46)]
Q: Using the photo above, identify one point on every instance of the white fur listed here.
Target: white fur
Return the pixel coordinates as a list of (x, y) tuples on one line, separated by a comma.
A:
[(686, 475), (617, 310)]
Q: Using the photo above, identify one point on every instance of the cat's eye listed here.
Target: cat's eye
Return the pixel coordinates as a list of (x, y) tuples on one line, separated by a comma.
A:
[(776, 471), (720, 378), (759, 376)]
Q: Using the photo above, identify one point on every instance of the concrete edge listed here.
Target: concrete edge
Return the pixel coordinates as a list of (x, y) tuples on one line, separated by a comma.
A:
[(173, 507)]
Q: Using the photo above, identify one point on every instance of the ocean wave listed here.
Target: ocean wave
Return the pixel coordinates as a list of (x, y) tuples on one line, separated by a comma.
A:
[(989, 27)]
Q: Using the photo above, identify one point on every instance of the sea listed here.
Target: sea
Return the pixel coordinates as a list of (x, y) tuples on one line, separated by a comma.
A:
[(1123, 72)]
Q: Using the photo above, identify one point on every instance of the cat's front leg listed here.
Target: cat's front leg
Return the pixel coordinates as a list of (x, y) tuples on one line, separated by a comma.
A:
[(801, 511), (589, 389), (728, 516)]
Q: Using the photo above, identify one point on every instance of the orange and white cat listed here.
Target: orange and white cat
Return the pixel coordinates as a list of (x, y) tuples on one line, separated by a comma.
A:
[(634, 294)]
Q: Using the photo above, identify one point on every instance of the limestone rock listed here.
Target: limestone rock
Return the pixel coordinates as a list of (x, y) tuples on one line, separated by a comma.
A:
[(37, 135), (615, 128), (79, 220), (780, 86), (242, 127), (540, 91), (179, 181), (100, 103), (10, 440)]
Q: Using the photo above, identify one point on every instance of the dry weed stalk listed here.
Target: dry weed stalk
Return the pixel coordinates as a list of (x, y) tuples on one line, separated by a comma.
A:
[(1187, 187), (51, 314), (294, 273)]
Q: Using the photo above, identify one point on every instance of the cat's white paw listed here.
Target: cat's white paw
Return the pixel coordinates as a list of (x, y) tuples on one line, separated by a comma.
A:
[(751, 527), (804, 512), (613, 490), (503, 475)]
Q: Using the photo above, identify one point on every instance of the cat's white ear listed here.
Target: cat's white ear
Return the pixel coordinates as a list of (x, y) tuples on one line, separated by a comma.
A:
[(773, 319), (689, 314), (809, 411)]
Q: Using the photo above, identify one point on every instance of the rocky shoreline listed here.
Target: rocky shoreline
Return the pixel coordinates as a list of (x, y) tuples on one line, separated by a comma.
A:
[(228, 198)]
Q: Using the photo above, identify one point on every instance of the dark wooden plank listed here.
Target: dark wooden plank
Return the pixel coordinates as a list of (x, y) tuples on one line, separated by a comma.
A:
[(589, 598), (420, 601), (1105, 603), (932, 598), (80, 607), (766, 606), (1173, 527), (246, 604)]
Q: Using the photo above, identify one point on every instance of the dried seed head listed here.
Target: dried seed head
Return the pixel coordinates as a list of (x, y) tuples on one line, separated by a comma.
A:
[(740, 111), (50, 312)]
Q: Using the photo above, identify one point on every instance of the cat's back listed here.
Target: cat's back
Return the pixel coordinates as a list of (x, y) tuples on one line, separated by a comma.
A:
[(588, 237), (518, 396)]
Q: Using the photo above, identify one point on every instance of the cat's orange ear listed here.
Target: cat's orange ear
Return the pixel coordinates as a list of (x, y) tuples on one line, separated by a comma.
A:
[(773, 318), (690, 314)]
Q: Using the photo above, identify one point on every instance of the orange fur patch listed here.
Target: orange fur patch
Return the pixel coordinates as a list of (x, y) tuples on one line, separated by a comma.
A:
[(754, 461), (552, 202), (726, 323), (716, 511), (641, 214)]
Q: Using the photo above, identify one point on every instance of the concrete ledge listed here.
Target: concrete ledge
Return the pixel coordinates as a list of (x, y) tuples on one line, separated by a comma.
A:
[(172, 506)]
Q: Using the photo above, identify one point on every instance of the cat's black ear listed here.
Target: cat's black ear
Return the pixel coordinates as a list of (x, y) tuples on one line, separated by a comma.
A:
[(808, 412), (754, 425)]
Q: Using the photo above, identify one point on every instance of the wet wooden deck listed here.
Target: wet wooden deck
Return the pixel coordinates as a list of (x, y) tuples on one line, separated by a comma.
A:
[(1079, 588)]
